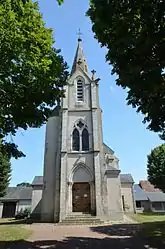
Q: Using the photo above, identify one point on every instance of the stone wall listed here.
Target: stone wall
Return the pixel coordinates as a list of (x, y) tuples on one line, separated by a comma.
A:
[(36, 202), (23, 204), (126, 191)]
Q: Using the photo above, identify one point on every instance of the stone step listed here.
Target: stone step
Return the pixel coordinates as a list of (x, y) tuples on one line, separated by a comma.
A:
[(65, 222), (80, 219)]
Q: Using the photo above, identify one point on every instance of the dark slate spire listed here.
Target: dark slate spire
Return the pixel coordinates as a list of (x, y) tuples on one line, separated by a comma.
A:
[(79, 59)]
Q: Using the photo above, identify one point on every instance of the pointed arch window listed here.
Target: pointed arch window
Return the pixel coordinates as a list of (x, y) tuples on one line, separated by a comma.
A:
[(80, 90), (80, 137), (76, 140), (85, 140)]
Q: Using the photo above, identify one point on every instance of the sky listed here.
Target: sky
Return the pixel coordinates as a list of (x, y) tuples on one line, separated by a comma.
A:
[(122, 126)]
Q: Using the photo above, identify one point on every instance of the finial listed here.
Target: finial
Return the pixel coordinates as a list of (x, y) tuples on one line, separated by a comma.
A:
[(93, 74), (79, 35)]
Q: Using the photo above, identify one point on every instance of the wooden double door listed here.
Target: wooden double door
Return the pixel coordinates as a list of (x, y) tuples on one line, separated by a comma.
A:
[(81, 201)]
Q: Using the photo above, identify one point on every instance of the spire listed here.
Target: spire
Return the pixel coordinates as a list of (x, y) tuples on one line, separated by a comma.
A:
[(79, 59)]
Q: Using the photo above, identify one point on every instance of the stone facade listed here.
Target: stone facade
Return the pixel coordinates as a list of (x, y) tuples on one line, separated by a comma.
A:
[(128, 197), (96, 164)]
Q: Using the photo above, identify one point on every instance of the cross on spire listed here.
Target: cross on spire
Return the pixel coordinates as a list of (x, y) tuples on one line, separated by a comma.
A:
[(79, 35)]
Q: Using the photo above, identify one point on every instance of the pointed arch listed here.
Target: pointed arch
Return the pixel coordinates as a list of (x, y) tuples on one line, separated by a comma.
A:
[(78, 167), (85, 140), (75, 140)]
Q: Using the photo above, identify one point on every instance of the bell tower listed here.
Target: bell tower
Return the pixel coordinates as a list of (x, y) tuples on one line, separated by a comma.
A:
[(82, 145)]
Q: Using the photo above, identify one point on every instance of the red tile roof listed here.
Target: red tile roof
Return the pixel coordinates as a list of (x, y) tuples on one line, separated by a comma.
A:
[(148, 187)]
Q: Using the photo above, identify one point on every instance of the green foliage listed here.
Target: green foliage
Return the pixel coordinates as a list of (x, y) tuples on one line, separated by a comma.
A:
[(5, 172), (60, 2), (24, 184), (32, 72), (156, 167), (133, 33), (23, 213)]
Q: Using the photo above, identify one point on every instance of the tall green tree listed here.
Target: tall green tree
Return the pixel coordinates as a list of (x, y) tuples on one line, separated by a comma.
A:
[(32, 72), (156, 167), (5, 172), (134, 34)]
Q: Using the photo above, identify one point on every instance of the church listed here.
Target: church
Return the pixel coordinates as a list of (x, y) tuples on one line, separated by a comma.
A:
[(81, 173)]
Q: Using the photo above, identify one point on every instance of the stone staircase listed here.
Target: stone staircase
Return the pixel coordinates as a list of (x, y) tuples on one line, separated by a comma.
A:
[(84, 219)]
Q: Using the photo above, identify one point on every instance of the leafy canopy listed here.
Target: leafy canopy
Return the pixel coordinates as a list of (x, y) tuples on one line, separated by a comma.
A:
[(134, 34), (5, 172), (32, 72), (156, 167)]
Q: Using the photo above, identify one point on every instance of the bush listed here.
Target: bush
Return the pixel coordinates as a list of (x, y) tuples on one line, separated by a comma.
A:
[(22, 214)]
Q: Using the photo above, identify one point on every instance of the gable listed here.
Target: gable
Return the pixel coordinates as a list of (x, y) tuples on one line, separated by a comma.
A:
[(107, 149), (77, 73)]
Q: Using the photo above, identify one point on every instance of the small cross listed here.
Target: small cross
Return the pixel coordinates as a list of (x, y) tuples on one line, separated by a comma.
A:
[(79, 34), (93, 74)]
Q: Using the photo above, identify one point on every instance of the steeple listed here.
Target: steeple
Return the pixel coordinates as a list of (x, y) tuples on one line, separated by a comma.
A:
[(79, 59)]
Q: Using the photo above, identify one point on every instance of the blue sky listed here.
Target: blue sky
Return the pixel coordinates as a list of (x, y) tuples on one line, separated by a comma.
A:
[(122, 126)]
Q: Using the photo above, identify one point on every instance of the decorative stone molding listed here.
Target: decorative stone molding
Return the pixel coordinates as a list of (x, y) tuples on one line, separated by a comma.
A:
[(76, 167), (112, 172)]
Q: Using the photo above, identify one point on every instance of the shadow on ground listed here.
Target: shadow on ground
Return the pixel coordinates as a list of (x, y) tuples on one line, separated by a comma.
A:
[(118, 229), (82, 243), (113, 237), (19, 221), (151, 233)]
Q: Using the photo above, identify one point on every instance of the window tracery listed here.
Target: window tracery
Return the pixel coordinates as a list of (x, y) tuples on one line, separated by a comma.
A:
[(80, 137)]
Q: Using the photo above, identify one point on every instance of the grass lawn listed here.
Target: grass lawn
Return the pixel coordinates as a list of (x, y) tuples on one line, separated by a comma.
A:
[(152, 225), (12, 232), (148, 217)]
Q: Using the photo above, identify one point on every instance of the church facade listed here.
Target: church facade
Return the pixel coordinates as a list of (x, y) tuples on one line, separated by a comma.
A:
[(81, 173)]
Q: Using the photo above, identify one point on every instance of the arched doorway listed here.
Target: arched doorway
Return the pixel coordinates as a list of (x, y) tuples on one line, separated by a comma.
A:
[(82, 189), (81, 200)]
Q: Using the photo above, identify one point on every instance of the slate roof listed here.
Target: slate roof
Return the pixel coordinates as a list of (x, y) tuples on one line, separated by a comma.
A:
[(156, 196), (37, 181), (56, 111), (126, 178), (139, 194), (107, 149), (79, 57), (18, 193), (147, 186), (142, 195)]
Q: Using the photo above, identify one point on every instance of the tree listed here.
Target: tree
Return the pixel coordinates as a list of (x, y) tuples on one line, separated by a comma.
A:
[(60, 2), (24, 184), (156, 167), (133, 33), (32, 72), (5, 172)]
